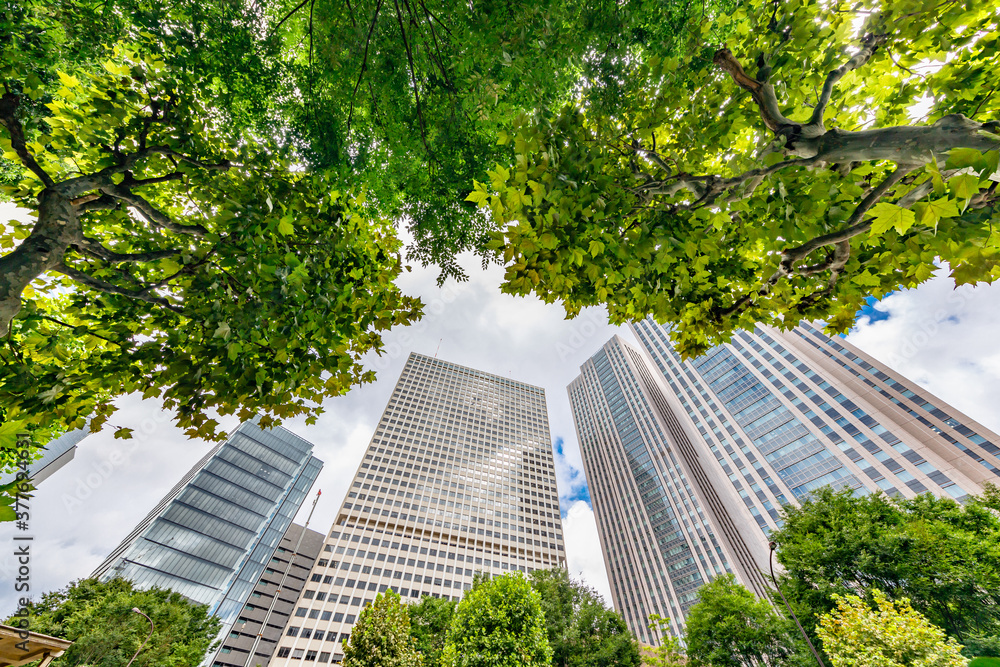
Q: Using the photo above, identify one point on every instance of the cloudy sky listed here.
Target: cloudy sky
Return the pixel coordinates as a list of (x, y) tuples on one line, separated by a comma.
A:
[(940, 337)]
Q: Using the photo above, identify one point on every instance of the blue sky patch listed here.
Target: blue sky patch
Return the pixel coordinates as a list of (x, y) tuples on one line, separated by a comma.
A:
[(871, 312), (577, 481)]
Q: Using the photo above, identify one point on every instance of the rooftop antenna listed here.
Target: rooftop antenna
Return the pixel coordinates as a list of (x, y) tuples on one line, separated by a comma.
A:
[(439, 348)]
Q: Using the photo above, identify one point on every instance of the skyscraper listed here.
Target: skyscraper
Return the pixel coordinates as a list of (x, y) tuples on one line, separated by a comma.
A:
[(235, 649), (689, 462), (458, 478), (212, 535)]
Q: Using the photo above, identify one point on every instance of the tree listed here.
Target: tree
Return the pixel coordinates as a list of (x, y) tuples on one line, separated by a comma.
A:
[(669, 653), (731, 627), (891, 635), (715, 200), (581, 631), (498, 624), (381, 637), (411, 95), (429, 623), (98, 618), (937, 553), (172, 258)]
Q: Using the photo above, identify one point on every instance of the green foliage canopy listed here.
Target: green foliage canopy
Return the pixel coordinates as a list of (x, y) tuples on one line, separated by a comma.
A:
[(731, 627), (381, 637), (715, 200), (581, 631), (499, 623), (409, 96), (98, 618), (939, 554), (891, 635), (430, 620), (172, 258)]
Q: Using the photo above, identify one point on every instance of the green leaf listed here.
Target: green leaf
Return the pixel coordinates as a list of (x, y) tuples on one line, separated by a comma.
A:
[(68, 80), (9, 432), (960, 158), (285, 227), (964, 186), (887, 216)]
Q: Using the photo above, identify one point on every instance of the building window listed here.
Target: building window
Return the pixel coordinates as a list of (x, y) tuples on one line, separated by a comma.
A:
[(284, 651), (311, 656)]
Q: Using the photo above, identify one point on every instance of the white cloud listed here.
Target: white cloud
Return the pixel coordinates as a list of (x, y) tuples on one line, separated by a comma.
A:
[(944, 339), (584, 558)]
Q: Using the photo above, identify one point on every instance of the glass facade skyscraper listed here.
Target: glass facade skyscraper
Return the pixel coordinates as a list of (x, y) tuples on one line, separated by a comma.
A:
[(458, 478), (212, 536), (703, 453)]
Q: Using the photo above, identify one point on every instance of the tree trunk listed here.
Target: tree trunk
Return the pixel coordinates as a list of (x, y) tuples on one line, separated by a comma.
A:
[(57, 228)]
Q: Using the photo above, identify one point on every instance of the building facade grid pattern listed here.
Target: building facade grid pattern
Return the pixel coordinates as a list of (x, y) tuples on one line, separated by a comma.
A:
[(458, 478), (767, 418)]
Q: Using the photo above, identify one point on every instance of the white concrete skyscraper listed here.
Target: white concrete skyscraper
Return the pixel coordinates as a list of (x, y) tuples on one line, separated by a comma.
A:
[(689, 462), (458, 478)]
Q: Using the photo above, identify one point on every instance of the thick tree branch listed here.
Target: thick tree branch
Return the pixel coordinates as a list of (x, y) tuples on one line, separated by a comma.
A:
[(101, 203), (8, 118), (762, 93), (869, 45), (75, 187), (101, 286), (131, 182)]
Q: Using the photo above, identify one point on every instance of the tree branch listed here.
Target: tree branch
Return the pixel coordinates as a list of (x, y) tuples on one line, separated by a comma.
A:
[(96, 248), (8, 118), (131, 182), (364, 63), (150, 212), (854, 226), (108, 288), (413, 75), (762, 93), (70, 326), (708, 188), (286, 17), (869, 45)]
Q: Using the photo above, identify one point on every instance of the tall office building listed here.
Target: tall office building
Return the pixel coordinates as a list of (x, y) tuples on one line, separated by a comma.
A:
[(212, 535), (689, 462), (458, 478), (297, 563)]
